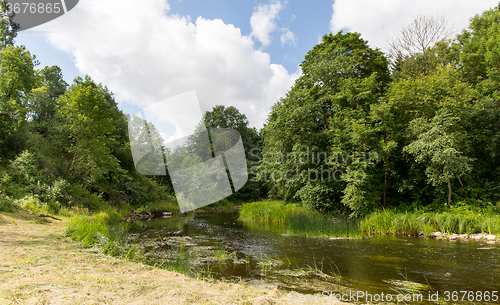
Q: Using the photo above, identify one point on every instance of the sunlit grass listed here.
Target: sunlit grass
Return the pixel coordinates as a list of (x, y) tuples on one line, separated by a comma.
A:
[(304, 221), (299, 219), (427, 222), (94, 232)]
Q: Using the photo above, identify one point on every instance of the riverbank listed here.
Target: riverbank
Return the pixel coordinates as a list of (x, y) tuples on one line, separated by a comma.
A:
[(452, 224), (39, 265), (299, 220)]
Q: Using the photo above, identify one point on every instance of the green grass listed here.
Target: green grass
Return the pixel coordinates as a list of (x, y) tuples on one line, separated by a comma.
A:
[(414, 223), (269, 211), (94, 232), (305, 221), (298, 219), (160, 206)]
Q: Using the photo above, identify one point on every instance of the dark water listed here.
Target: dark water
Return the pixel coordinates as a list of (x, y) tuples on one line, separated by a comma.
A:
[(313, 264)]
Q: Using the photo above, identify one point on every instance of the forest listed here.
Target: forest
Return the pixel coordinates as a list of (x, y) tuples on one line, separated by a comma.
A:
[(360, 131)]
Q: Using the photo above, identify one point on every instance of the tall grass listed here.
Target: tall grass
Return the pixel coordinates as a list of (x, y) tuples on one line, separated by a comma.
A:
[(302, 220), (299, 219), (270, 211), (94, 232), (427, 222)]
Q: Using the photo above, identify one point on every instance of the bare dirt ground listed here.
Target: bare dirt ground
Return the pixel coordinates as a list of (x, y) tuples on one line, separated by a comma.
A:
[(38, 265)]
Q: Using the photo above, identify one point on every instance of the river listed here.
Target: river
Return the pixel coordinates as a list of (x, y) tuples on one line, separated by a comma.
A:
[(220, 245)]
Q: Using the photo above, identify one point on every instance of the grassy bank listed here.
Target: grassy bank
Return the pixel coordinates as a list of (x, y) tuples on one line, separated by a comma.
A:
[(39, 265), (459, 222), (299, 219), (96, 232), (305, 221)]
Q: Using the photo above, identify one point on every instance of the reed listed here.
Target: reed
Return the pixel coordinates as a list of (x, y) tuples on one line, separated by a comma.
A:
[(94, 232), (425, 223), (299, 220), (305, 221)]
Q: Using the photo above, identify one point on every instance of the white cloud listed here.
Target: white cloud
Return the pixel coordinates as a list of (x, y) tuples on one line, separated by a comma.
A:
[(288, 37), (262, 21), (145, 56), (378, 21)]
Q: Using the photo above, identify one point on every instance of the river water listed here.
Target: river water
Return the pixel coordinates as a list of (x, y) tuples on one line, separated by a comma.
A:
[(226, 248)]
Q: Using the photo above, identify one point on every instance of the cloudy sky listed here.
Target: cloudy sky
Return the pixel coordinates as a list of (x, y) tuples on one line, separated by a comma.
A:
[(240, 53)]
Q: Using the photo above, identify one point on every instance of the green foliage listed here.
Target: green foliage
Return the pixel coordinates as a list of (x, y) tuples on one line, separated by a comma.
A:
[(437, 147), (89, 117), (319, 197), (432, 128), (479, 47), (17, 79), (5, 204), (33, 204), (230, 117), (7, 26), (327, 114), (435, 124)]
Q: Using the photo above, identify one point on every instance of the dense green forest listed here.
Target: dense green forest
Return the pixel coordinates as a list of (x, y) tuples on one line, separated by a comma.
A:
[(360, 130)]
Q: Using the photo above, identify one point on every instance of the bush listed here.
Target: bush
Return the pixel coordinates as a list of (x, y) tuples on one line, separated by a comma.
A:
[(58, 191), (5, 204), (81, 197), (319, 197), (31, 203)]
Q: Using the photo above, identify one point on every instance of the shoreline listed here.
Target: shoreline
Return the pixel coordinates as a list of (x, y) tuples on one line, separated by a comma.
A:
[(300, 220), (39, 264)]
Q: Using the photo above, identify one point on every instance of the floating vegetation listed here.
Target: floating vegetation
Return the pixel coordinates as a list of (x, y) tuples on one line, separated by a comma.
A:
[(407, 286)]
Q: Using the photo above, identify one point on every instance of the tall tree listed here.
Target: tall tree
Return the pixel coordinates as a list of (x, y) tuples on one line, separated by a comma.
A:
[(411, 50), (439, 149), (230, 117), (479, 47), (17, 79), (324, 114), (92, 129), (8, 27)]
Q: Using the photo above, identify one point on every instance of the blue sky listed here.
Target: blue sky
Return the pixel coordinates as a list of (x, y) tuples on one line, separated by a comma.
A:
[(240, 53)]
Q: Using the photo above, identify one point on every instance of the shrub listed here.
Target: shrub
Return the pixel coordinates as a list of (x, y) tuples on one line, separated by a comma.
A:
[(5, 204), (79, 196), (31, 203), (319, 197)]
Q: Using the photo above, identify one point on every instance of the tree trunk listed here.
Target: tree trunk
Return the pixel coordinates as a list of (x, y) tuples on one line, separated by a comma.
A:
[(449, 192), (385, 181)]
